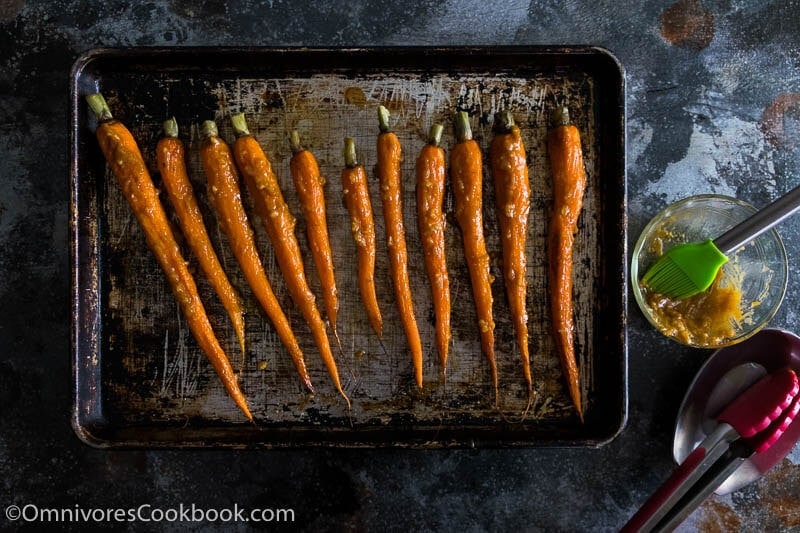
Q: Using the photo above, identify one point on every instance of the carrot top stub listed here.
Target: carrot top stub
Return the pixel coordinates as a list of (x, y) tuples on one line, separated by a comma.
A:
[(462, 127), (170, 127), (349, 153), (97, 103), (239, 124), (504, 121)]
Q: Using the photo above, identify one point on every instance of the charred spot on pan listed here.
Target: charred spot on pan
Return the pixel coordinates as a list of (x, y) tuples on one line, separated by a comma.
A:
[(355, 96), (485, 118), (431, 316), (272, 100)]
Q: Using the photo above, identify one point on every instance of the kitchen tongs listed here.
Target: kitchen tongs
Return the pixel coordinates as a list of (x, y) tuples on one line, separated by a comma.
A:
[(750, 424)]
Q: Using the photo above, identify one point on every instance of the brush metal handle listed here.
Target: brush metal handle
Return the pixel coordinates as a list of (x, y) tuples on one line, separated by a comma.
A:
[(759, 222)]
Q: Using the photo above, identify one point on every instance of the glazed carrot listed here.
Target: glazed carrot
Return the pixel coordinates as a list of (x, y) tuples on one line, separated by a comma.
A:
[(262, 183), (309, 184), (362, 226), (513, 194), (466, 169), (223, 190), (389, 175), (126, 162), (569, 183), (430, 215), (170, 158)]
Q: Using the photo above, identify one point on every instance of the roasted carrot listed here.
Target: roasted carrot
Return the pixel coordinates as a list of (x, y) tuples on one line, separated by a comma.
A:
[(223, 189), (362, 225), (430, 216), (391, 184), (128, 166), (466, 169), (309, 184), (262, 183), (170, 158), (569, 183), (513, 195)]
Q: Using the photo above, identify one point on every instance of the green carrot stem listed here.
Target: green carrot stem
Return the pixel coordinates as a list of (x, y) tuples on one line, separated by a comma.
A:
[(294, 142), (239, 124), (99, 107), (383, 119), (504, 120), (171, 127), (435, 134), (462, 127), (209, 129), (560, 116), (350, 157)]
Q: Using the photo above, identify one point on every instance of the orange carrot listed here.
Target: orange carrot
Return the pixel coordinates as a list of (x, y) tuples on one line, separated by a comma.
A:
[(170, 158), (569, 183), (430, 200), (309, 184), (126, 162), (223, 189), (466, 169), (362, 225), (513, 194), (389, 175), (262, 183)]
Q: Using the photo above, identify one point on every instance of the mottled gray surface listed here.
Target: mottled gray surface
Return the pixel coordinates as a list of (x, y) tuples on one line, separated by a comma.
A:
[(713, 91)]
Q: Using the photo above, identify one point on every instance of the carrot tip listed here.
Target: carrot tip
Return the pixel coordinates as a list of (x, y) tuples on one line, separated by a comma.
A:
[(337, 339), (579, 410), (346, 398)]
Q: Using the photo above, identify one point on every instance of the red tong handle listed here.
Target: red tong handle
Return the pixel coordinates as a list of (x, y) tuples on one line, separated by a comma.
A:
[(657, 499), (756, 408)]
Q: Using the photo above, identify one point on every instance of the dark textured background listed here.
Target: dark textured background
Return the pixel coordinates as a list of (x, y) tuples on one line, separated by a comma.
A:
[(713, 106)]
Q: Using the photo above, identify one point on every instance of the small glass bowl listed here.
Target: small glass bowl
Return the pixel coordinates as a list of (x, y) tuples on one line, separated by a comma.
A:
[(759, 269)]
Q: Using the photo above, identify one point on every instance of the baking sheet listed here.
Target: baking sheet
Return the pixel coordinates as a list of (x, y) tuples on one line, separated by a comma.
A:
[(141, 380)]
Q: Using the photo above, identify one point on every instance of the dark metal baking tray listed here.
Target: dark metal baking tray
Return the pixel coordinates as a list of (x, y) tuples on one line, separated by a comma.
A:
[(141, 381)]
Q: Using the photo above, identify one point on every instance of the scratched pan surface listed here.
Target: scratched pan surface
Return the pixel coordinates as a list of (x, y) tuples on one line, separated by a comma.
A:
[(140, 378)]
